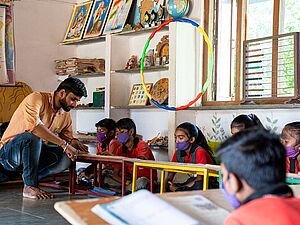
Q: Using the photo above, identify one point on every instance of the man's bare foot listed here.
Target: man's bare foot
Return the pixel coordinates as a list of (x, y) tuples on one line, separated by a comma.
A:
[(35, 193)]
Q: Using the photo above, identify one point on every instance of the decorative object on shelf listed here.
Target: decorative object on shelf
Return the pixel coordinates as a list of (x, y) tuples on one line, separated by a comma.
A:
[(117, 16), (210, 66), (3, 71), (162, 51), (78, 21), (151, 12), (138, 26), (6, 2), (99, 97), (76, 66), (178, 8), (138, 95), (127, 27), (97, 18), (149, 59), (132, 63), (158, 141), (160, 91)]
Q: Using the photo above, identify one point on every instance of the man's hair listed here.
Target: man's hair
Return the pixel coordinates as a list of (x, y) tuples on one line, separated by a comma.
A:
[(73, 85), (109, 124), (255, 155)]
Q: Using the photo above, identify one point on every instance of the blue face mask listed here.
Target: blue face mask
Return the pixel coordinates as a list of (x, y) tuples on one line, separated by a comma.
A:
[(182, 146), (123, 137), (233, 201)]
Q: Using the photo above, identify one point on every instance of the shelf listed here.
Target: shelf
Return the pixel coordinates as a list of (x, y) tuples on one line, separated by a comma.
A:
[(88, 75), (88, 108), (136, 107), (85, 41), (146, 70), (137, 32)]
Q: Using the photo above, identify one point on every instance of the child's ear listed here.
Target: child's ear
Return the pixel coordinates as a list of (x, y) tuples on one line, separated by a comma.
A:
[(235, 183), (192, 139), (111, 133), (131, 131)]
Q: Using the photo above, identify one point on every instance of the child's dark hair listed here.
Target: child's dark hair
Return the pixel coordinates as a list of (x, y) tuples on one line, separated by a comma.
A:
[(109, 124), (243, 121), (73, 85), (127, 123), (193, 131), (255, 155), (294, 130)]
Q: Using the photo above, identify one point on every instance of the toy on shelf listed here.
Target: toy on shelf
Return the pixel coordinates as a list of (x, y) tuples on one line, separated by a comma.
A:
[(138, 96), (132, 63), (162, 51), (178, 8), (160, 91), (149, 59), (151, 12), (158, 141)]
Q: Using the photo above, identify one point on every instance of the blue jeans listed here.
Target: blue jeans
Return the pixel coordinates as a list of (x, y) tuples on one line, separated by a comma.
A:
[(27, 153)]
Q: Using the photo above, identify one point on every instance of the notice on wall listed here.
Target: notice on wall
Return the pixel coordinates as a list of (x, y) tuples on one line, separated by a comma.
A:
[(3, 71)]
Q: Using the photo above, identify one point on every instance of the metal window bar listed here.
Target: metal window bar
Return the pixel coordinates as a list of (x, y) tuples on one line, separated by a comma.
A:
[(272, 71)]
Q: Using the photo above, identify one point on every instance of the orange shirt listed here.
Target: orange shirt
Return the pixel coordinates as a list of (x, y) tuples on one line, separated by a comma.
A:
[(35, 109), (267, 210)]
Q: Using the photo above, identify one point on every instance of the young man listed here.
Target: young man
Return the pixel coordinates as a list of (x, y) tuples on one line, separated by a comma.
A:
[(253, 166), (42, 116)]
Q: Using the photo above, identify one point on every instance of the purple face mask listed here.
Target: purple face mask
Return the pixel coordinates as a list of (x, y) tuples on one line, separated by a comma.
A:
[(101, 137), (231, 198), (291, 152), (123, 137), (182, 146)]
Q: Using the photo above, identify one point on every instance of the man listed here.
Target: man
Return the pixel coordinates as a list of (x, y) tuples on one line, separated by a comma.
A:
[(42, 116), (253, 166)]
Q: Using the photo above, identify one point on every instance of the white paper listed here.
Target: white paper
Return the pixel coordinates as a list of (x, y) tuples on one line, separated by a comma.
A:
[(200, 208), (143, 208)]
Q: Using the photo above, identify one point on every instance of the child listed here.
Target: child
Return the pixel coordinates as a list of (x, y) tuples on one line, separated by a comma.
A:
[(191, 147), (243, 121), (253, 167), (107, 144), (132, 147), (290, 138)]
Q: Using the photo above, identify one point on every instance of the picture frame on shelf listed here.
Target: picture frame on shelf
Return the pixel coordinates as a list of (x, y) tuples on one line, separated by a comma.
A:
[(97, 19), (138, 95), (160, 91), (150, 13), (117, 16), (78, 21)]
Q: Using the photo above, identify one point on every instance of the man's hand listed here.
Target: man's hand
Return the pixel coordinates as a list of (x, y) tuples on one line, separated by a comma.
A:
[(71, 152), (78, 145)]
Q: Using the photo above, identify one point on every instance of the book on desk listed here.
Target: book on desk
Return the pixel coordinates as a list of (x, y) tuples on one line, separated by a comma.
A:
[(145, 208)]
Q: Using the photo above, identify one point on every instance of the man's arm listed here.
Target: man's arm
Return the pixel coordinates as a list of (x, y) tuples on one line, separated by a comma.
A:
[(43, 132)]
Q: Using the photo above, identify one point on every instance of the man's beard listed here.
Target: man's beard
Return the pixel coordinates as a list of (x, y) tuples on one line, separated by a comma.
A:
[(64, 105)]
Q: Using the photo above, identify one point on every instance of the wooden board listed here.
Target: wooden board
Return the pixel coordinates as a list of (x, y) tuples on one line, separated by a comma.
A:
[(160, 91)]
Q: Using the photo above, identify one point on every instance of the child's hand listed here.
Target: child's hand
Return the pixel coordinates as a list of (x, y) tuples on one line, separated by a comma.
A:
[(172, 186)]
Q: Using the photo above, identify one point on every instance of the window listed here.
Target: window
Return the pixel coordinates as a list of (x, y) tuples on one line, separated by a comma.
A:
[(231, 22)]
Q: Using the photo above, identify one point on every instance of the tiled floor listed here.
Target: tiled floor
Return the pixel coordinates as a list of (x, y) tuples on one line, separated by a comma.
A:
[(16, 210)]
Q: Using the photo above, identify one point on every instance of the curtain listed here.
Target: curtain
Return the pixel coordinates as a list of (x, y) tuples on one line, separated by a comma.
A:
[(7, 45)]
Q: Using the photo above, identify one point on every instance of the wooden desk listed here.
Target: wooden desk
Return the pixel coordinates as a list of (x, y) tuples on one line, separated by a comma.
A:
[(79, 212), (199, 169), (97, 160)]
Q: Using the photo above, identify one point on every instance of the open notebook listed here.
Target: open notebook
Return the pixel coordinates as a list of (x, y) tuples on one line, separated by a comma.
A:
[(145, 208)]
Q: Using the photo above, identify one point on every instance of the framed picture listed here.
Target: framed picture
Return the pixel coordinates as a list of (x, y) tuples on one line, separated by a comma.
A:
[(78, 20), (117, 16), (97, 18), (138, 95)]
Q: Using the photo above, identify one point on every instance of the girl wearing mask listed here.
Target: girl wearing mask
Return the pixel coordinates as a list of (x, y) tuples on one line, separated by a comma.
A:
[(290, 138), (131, 147), (191, 147)]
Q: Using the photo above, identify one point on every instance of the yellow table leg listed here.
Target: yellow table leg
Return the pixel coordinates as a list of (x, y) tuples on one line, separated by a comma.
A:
[(134, 175), (205, 180), (162, 181)]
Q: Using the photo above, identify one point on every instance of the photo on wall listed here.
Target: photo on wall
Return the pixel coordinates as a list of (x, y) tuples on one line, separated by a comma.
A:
[(117, 16), (78, 21), (97, 19)]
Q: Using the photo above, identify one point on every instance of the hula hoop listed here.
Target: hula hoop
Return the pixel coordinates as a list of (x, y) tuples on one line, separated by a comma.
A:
[(210, 68)]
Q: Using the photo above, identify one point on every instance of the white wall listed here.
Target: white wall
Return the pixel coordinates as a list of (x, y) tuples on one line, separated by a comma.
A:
[(40, 26)]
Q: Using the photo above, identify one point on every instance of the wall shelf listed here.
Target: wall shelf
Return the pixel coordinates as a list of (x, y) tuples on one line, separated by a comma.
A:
[(146, 70), (85, 41), (152, 107), (88, 75), (88, 108), (137, 32)]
